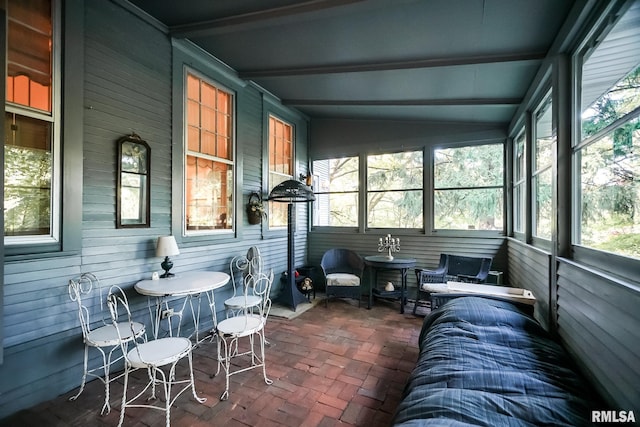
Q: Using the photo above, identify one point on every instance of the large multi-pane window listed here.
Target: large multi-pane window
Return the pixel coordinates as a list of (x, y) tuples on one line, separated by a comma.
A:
[(336, 186), (544, 146), (280, 165), (395, 190), (468, 187), (209, 159), (519, 183), (31, 147), (608, 152)]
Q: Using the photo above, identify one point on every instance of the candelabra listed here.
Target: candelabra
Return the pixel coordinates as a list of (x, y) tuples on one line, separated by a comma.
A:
[(389, 244)]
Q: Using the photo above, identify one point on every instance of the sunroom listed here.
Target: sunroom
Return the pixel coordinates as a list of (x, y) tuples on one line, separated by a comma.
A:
[(492, 128)]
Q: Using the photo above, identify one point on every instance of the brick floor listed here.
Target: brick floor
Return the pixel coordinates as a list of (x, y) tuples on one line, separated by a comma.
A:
[(340, 365)]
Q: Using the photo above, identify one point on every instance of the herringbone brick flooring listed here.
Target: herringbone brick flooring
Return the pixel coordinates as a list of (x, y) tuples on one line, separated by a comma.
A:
[(335, 366)]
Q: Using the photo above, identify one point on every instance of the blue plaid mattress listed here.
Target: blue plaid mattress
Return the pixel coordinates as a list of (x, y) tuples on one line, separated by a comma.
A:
[(484, 362)]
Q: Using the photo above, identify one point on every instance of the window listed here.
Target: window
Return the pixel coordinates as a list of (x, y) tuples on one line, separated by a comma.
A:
[(394, 190), (468, 187), (608, 153), (209, 160), (336, 188), (519, 184), (544, 146), (280, 166), (31, 148)]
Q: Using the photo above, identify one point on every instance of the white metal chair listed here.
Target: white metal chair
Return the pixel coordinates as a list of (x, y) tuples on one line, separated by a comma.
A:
[(159, 357), (250, 323), (101, 334), (241, 267)]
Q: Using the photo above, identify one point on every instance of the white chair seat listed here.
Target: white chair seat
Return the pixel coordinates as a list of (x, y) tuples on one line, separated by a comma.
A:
[(236, 303), (108, 336), (241, 325), (342, 279), (435, 287), (159, 352)]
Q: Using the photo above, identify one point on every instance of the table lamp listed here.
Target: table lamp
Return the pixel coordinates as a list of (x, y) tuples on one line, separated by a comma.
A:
[(167, 247)]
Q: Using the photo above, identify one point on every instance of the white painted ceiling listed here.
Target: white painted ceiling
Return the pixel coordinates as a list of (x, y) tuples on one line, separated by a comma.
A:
[(468, 61)]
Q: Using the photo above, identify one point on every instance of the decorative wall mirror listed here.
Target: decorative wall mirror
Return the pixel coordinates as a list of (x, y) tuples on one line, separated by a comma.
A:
[(133, 200)]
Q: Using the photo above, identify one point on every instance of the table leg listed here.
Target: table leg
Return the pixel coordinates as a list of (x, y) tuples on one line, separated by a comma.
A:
[(403, 288), (373, 281)]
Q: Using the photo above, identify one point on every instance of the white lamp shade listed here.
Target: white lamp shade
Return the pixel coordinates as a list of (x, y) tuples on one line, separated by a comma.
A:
[(167, 246)]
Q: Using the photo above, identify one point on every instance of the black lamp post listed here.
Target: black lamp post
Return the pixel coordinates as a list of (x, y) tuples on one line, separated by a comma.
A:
[(291, 191)]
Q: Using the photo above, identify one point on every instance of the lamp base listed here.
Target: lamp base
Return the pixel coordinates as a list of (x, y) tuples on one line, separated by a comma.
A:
[(166, 266)]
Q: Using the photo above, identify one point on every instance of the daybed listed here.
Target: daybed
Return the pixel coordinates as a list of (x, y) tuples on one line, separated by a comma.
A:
[(486, 362)]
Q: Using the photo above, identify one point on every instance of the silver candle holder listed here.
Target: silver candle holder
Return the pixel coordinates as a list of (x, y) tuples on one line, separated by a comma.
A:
[(389, 244)]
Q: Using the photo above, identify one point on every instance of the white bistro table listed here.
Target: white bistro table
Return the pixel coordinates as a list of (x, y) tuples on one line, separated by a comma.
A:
[(190, 285)]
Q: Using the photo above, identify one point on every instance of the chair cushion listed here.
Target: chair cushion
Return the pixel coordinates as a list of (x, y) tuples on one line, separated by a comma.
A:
[(342, 279), (435, 287)]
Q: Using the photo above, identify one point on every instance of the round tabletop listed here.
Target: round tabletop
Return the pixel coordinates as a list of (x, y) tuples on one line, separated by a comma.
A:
[(382, 261), (188, 283)]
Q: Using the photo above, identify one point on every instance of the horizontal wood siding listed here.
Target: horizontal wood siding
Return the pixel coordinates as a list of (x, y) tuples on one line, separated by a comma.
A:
[(127, 88), (529, 269), (425, 249), (597, 323)]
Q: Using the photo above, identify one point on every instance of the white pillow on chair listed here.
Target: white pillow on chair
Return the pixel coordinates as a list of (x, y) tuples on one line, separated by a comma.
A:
[(342, 279), (435, 287)]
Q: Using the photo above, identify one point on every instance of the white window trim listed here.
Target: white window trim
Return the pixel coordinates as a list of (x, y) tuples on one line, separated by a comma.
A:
[(54, 118), (185, 152)]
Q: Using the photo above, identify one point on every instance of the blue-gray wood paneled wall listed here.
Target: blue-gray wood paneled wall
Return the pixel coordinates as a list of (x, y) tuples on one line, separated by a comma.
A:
[(597, 319), (127, 88)]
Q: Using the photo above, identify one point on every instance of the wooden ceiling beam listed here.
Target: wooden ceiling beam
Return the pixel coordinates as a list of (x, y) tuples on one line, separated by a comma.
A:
[(391, 65), (259, 18), (403, 102)]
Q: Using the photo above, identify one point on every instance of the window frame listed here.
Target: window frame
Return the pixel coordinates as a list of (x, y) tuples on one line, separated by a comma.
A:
[(271, 106), (545, 104), (216, 159), (187, 56), (365, 191), (278, 118), (357, 193), (433, 189), (617, 264), (69, 78), (54, 239), (519, 186)]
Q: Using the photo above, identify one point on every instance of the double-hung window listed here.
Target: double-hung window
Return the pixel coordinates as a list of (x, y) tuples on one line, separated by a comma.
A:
[(209, 156), (519, 183), (468, 187), (31, 150), (281, 143), (607, 154), (544, 148), (395, 190)]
